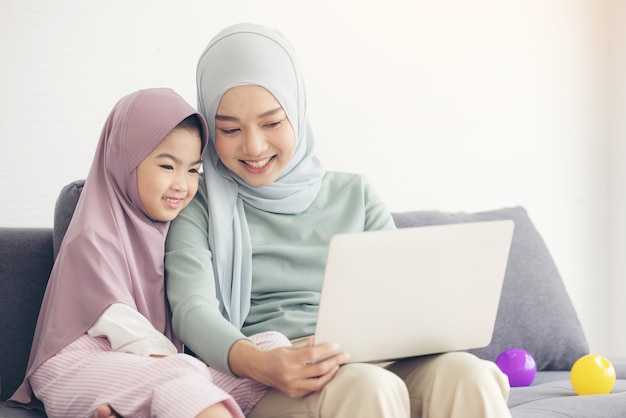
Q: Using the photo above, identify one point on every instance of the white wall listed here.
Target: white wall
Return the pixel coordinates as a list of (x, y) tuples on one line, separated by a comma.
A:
[(617, 134), (443, 104)]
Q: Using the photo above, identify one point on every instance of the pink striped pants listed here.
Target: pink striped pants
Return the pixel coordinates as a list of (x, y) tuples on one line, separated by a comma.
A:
[(87, 374)]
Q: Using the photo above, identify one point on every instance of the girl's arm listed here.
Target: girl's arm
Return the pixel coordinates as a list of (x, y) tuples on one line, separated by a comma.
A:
[(129, 331)]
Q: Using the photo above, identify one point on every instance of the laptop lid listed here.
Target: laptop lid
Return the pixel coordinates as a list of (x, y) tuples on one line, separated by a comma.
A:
[(413, 291)]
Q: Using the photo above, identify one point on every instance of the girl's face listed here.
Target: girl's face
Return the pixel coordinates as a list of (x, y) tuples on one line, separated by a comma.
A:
[(168, 178), (253, 136)]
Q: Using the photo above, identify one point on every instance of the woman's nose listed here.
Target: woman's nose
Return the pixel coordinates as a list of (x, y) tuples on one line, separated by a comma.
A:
[(254, 143)]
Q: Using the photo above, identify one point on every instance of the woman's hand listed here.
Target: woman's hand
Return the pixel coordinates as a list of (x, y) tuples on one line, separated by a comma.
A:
[(295, 371)]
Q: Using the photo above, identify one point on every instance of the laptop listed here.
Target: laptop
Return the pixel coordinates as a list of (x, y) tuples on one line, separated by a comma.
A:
[(393, 294)]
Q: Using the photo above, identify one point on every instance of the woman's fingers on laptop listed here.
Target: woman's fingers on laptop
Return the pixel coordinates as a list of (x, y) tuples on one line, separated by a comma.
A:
[(328, 353), (298, 371), (322, 365)]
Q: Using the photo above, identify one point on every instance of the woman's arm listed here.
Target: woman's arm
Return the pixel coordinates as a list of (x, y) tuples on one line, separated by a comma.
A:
[(190, 287), (198, 322), (377, 216)]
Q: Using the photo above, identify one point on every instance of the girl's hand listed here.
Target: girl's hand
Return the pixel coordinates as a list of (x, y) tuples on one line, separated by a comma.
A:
[(295, 371)]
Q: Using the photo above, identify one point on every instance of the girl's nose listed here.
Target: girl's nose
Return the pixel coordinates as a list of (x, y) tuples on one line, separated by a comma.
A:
[(180, 183)]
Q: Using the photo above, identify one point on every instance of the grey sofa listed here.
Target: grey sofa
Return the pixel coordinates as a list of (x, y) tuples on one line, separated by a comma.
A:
[(535, 312)]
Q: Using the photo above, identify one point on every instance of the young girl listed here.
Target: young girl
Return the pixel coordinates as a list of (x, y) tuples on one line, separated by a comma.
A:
[(252, 246), (103, 341)]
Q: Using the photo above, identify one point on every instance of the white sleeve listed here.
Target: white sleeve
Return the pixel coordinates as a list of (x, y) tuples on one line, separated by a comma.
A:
[(129, 331)]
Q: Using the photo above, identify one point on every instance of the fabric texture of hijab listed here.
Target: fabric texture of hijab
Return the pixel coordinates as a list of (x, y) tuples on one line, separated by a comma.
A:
[(112, 251), (250, 54)]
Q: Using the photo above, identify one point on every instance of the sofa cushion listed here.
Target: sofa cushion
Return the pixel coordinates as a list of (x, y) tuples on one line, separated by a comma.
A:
[(535, 311), (557, 399), (63, 211), (7, 411), (551, 395)]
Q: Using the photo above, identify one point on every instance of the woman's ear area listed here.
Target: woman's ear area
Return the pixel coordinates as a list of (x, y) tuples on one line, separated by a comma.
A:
[(204, 132)]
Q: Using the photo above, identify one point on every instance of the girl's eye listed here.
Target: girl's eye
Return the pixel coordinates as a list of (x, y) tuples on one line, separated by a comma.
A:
[(194, 171), (166, 167)]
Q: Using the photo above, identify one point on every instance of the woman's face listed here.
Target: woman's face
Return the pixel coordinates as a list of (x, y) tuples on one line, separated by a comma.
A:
[(253, 136)]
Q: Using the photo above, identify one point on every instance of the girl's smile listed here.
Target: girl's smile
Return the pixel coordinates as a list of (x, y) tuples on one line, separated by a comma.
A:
[(173, 203)]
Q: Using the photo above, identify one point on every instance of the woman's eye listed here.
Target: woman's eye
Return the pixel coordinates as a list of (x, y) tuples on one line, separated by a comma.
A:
[(194, 171), (274, 124), (229, 131), (166, 167)]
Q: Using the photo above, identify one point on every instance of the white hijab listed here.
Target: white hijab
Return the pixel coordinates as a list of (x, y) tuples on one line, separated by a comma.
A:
[(245, 54)]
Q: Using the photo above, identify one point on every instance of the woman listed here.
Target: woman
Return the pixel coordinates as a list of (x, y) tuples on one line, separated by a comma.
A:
[(248, 253)]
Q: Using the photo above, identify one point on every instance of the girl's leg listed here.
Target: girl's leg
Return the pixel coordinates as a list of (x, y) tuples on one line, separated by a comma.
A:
[(86, 375), (215, 411), (454, 385)]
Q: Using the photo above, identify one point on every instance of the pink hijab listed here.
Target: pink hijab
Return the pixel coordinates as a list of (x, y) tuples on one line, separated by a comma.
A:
[(112, 251)]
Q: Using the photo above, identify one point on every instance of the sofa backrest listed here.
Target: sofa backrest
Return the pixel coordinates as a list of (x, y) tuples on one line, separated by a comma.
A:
[(535, 311), (63, 211)]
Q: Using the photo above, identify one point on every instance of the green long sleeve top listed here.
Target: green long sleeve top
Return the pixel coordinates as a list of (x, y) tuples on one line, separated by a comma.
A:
[(288, 261)]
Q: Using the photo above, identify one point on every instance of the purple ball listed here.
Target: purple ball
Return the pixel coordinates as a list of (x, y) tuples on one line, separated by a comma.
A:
[(518, 365)]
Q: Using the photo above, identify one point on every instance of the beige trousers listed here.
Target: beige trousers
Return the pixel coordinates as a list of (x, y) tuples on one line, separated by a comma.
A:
[(452, 385)]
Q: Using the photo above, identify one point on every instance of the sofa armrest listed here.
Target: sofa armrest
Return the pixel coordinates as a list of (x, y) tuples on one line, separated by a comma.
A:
[(25, 265)]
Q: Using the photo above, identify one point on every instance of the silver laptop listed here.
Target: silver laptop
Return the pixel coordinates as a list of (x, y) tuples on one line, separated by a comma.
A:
[(413, 291)]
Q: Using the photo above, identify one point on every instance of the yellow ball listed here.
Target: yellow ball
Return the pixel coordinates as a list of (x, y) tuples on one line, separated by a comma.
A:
[(592, 375)]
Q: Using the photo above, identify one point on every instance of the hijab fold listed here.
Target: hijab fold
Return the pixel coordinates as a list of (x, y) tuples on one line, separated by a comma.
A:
[(112, 251), (249, 54)]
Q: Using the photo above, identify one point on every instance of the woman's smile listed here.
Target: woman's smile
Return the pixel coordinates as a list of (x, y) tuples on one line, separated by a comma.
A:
[(259, 166)]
